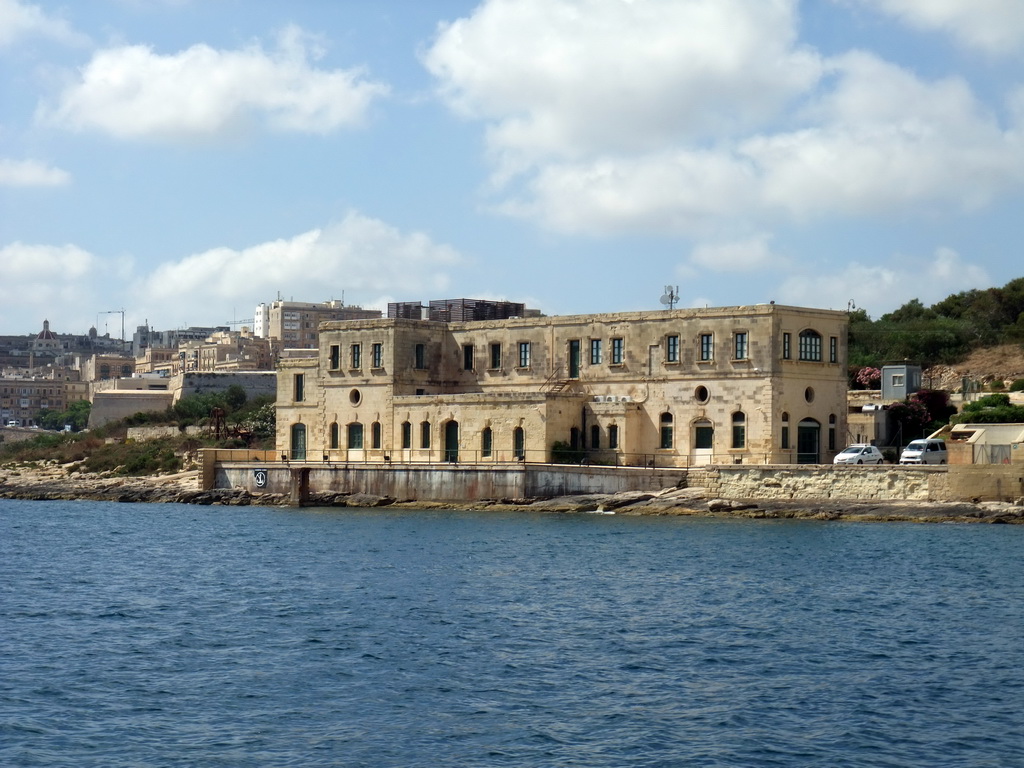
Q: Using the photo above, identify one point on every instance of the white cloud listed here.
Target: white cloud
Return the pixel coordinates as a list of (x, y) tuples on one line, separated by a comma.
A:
[(134, 92), (884, 139), (568, 77), (20, 20), (48, 281), (30, 173), (753, 253), (993, 26), (652, 128), (880, 289), (360, 256)]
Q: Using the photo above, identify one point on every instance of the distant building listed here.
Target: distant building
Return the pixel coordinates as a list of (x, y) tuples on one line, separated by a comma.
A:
[(295, 323), (900, 381)]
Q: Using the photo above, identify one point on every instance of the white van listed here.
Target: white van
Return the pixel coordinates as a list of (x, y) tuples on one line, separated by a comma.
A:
[(925, 452)]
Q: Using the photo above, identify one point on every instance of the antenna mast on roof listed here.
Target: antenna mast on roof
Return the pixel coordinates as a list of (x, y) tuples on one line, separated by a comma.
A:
[(670, 297)]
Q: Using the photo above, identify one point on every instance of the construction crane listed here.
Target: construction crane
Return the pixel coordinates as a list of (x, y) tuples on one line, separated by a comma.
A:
[(114, 312)]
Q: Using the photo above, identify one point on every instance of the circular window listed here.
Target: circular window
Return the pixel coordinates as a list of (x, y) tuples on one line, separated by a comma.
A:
[(354, 397), (701, 394), (809, 394)]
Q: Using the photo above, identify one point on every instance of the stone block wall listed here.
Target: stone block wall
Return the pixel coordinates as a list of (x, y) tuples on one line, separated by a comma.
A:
[(815, 481), (992, 482)]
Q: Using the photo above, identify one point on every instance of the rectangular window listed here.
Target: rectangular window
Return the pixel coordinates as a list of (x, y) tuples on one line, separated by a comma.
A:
[(524, 354), (785, 438), (617, 351), (378, 355), (495, 357), (467, 357), (420, 357), (375, 435), (833, 349), (672, 349), (703, 438), (740, 346), (897, 379), (425, 434), (787, 346), (613, 437), (486, 441), (335, 356), (299, 387), (406, 435), (707, 346), (595, 351), (356, 357)]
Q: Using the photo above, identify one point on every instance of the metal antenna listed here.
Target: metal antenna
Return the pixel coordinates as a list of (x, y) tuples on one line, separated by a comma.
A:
[(670, 297)]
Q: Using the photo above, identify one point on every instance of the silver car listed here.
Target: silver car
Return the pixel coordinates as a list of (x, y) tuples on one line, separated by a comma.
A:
[(861, 453)]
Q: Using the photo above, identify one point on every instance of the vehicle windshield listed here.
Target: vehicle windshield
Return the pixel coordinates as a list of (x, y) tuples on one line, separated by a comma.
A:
[(852, 449), (917, 445)]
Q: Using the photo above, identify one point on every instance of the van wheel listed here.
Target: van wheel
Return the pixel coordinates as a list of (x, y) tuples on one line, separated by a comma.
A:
[(942, 462), (860, 461)]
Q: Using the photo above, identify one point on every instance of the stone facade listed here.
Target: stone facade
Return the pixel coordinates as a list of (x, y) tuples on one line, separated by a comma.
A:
[(758, 384)]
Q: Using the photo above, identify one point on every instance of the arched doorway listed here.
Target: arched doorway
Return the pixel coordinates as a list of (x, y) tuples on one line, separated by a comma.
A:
[(298, 446), (703, 442), (451, 441), (808, 442)]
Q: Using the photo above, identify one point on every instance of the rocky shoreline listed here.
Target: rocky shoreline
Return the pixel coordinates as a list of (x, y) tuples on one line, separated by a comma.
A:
[(55, 482)]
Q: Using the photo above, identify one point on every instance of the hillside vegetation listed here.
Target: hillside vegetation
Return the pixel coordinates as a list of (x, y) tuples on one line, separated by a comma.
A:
[(242, 423), (945, 333)]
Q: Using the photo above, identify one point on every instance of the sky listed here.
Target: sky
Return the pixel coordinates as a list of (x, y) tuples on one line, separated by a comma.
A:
[(177, 162)]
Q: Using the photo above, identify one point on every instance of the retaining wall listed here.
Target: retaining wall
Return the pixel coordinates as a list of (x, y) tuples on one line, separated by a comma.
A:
[(445, 482), (882, 483)]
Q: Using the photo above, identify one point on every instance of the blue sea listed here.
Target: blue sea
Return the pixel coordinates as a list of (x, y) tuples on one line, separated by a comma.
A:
[(174, 635)]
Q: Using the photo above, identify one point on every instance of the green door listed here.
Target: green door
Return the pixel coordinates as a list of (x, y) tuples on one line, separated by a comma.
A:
[(451, 441), (808, 442), (574, 359)]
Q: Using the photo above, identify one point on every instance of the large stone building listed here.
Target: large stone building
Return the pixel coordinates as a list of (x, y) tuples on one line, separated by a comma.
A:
[(757, 384)]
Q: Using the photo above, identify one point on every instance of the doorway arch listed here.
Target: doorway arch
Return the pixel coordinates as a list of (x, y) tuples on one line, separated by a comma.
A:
[(808, 442)]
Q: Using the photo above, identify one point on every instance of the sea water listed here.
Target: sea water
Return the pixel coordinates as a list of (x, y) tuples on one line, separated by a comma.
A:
[(173, 635)]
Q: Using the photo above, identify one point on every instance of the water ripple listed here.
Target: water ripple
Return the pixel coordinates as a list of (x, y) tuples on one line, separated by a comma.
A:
[(165, 635)]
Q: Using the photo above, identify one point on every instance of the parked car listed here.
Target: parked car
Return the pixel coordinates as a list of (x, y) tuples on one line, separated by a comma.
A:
[(860, 453), (925, 452)]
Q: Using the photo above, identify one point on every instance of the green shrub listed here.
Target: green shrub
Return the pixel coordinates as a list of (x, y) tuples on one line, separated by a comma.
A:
[(1017, 385)]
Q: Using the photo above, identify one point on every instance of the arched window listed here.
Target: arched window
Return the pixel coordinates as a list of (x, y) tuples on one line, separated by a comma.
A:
[(355, 436), (519, 443), (739, 430), (785, 431), (486, 443), (104, 371), (425, 434), (831, 431), (595, 437), (810, 345), (126, 371), (574, 438), (666, 430), (334, 436), (298, 442), (406, 435), (375, 435), (613, 437)]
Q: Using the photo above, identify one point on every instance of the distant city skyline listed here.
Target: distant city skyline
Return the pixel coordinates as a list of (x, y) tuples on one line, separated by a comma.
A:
[(184, 161)]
